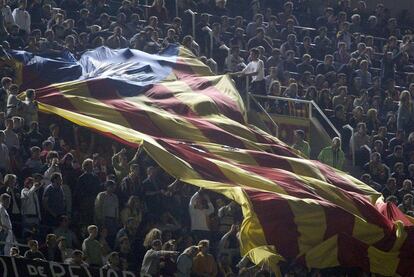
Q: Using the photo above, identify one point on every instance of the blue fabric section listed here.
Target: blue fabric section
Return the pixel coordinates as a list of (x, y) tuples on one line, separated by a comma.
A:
[(131, 71)]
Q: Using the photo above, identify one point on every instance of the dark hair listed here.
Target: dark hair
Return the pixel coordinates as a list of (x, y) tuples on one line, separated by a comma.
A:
[(55, 176)]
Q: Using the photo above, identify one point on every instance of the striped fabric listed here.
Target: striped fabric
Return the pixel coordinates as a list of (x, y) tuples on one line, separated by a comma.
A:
[(193, 124)]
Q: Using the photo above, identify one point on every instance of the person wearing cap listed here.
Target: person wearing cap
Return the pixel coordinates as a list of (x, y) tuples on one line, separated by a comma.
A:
[(301, 144)]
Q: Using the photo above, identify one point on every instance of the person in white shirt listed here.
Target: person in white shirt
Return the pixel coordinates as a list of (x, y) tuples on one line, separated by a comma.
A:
[(6, 12), (200, 209), (151, 262), (6, 228), (255, 69), (11, 139), (30, 204), (4, 154), (22, 17)]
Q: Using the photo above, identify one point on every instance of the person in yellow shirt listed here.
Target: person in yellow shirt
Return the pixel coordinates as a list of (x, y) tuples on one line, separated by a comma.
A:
[(204, 264)]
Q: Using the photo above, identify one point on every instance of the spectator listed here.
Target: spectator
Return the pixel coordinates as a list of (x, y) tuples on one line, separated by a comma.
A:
[(31, 213), (54, 200), (200, 209), (63, 231), (406, 188), (405, 115), (85, 192), (6, 228), (260, 40), (204, 263), (396, 157), (22, 17), (77, 259), (300, 144), (360, 139), (407, 206), (6, 82), (158, 9), (11, 139), (254, 68), (30, 108), (113, 262), (6, 13), (133, 209), (64, 250), (92, 248), (50, 249), (151, 261), (364, 74), (305, 65), (4, 155), (107, 209), (33, 252), (333, 155), (185, 261), (378, 170)]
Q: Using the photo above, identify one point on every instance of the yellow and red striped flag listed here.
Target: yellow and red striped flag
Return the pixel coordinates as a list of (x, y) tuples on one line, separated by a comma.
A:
[(193, 124)]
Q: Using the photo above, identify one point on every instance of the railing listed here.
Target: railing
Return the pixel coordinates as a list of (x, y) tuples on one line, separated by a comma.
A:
[(308, 113), (252, 97)]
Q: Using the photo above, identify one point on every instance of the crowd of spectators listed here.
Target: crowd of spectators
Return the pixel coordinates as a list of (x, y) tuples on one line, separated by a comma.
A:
[(71, 201)]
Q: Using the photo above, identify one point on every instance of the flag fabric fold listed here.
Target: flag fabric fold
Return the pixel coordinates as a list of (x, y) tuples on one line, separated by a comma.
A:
[(193, 124)]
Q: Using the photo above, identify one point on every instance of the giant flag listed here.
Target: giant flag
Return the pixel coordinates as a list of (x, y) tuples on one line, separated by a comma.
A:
[(193, 124)]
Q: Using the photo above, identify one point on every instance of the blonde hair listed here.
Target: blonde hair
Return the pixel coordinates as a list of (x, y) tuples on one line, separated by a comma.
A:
[(152, 235)]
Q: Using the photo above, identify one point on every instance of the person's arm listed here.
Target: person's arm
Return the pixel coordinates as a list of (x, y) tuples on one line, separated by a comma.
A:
[(114, 160), (27, 193), (157, 254), (210, 208), (136, 156), (226, 236), (193, 199)]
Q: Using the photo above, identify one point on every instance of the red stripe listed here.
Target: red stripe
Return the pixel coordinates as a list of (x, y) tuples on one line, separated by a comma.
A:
[(352, 252), (406, 265), (195, 156), (51, 95), (104, 91), (200, 84), (277, 221), (336, 179), (139, 120)]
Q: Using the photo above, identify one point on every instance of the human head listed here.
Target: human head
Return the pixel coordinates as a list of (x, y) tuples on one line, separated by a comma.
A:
[(93, 231), (336, 143), (56, 178), (204, 246), (33, 245), (299, 135), (5, 200)]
